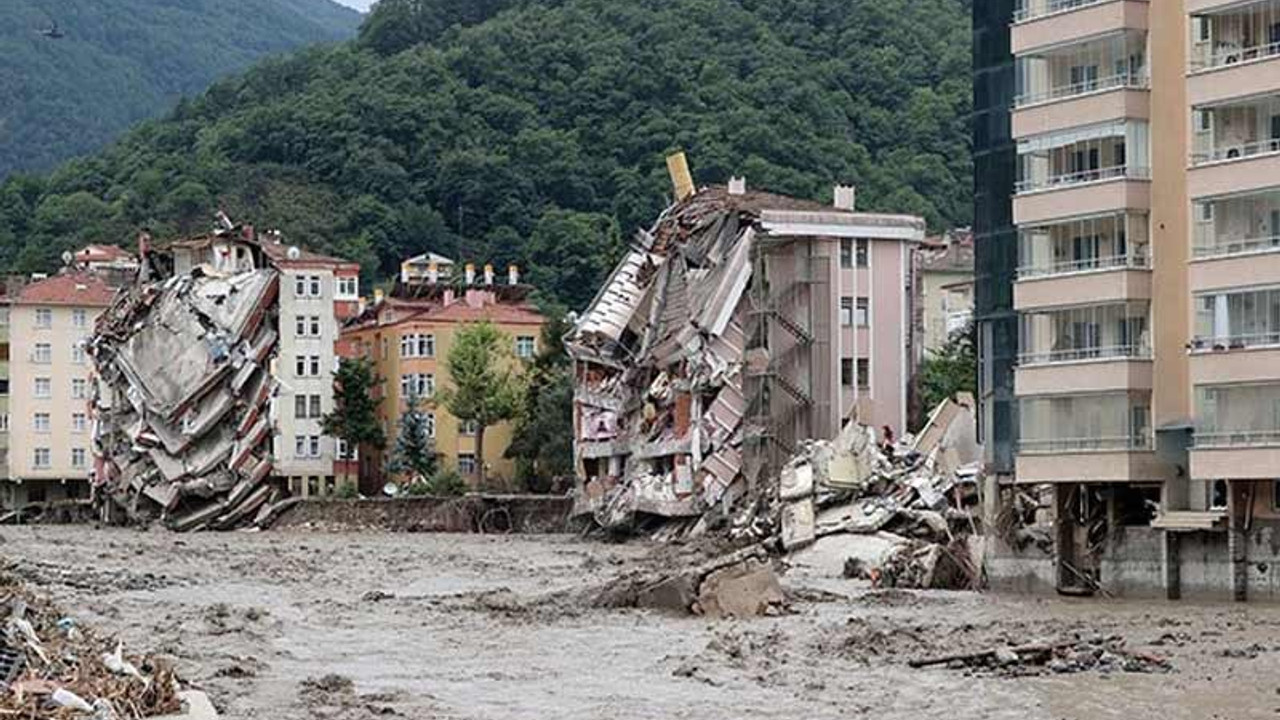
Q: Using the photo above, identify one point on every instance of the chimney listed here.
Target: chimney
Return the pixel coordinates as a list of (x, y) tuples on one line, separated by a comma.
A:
[(377, 296), (681, 179), (488, 274), (513, 275), (471, 273), (845, 196), (737, 185), (433, 272), (246, 232)]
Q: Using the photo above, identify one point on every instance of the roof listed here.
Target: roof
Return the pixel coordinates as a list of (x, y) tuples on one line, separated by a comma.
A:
[(278, 252), (423, 310), (429, 257), (102, 253), (73, 289), (955, 258)]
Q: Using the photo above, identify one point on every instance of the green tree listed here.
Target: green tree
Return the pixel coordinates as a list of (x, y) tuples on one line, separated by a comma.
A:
[(542, 443), (355, 414), (484, 389), (950, 370), (571, 253), (414, 453)]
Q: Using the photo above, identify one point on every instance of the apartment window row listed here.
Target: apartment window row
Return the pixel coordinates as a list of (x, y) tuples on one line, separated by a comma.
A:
[(42, 458), (1239, 319), (1115, 330), (306, 447), (42, 353), (418, 346), (1117, 60), (1030, 9), (307, 366), (526, 346), (1237, 415), (862, 377), (855, 311), (307, 326), (1101, 242), (44, 318), (854, 252), (307, 407), (1116, 421), (43, 388), (422, 385), (1236, 224), (307, 286)]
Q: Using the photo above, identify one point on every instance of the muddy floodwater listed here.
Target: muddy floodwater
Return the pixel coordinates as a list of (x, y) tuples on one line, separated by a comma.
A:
[(302, 625)]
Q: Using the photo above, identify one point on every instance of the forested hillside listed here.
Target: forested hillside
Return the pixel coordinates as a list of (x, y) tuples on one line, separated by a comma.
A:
[(120, 61), (535, 131)]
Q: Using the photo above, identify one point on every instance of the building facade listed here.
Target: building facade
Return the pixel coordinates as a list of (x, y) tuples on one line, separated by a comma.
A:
[(49, 438), (944, 289), (408, 337), (1147, 290)]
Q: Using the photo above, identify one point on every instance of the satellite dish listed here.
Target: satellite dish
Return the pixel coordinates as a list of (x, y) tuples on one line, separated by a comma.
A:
[(293, 253), (66, 257), (391, 489)]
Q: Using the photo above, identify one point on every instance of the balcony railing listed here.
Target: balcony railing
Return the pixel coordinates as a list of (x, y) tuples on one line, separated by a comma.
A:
[(1125, 80), (1083, 177), (1237, 247), (1237, 152), (1239, 438), (1032, 9), (1138, 352), (1235, 342), (1111, 262), (1096, 444), (1230, 55)]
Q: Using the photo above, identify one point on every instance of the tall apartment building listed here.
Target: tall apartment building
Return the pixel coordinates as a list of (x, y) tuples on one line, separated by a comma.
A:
[(1146, 202), (49, 437), (408, 337)]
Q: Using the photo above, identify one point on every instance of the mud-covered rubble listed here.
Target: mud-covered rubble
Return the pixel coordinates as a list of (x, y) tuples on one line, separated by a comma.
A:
[(52, 667), (1079, 654), (182, 403)]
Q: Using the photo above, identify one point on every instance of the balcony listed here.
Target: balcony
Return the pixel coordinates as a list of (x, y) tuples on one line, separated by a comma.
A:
[(1237, 431), (1233, 51), (1087, 333), (1219, 365), (1107, 372), (1103, 258), (1247, 224), (1081, 172), (1111, 62), (1237, 320), (1040, 23), (1118, 102), (1096, 437)]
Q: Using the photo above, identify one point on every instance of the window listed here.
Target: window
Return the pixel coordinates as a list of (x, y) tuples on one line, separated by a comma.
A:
[(846, 311), (429, 424), (307, 326), (78, 353), (79, 388), (42, 458), (307, 407), (863, 313), (864, 373), (467, 463), (306, 446), (418, 346), (306, 286), (421, 384), (862, 251), (313, 444), (41, 423), (314, 282), (846, 252), (43, 354), (1218, 495), (44, 388), (525, 346), (346, 452), (307, 366), (79, 318), (44, 318), (79, 422), (348, 287), (846, 372), (78, 458), (4, 422), (468, 427)]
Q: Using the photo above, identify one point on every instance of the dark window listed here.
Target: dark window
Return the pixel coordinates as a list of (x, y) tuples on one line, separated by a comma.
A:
[(864, 372), (36, 494), (846, 252), (846, 372), (863, 248)]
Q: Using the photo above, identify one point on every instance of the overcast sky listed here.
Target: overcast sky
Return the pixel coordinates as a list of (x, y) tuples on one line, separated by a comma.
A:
[(361, 5)]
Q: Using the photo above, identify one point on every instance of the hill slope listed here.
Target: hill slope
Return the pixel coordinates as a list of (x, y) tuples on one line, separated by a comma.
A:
[(537, 135), (121, 61)]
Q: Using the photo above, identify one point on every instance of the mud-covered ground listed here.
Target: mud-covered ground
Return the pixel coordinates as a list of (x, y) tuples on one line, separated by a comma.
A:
[(297, 625)]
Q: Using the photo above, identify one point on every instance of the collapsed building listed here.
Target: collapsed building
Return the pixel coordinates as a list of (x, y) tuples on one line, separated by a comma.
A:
[(213, 372), (740, 324)]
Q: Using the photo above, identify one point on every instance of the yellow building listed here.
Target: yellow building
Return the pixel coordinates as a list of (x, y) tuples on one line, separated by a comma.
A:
[(408, 337)]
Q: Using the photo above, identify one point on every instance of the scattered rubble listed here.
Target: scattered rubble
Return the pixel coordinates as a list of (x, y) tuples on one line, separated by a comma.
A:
[(1098, 653), (51, 666)]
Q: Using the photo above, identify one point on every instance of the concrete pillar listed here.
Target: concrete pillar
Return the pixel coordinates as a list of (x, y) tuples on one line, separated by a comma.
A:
[(1237, 543), (1172, 566)]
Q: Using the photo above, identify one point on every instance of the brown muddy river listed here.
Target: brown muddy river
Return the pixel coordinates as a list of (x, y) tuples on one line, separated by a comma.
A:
[(299, 625)]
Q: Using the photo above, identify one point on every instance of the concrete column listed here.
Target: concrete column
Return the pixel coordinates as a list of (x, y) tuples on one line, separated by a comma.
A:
[(1237, 545), (1172, 566)]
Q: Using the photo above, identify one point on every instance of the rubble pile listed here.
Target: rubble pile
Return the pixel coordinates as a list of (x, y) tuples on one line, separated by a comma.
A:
[(183, 395), (1101, 654), (735, 584), (50, 667)]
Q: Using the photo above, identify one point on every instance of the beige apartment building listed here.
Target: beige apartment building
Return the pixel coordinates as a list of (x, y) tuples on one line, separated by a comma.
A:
[(1147, 211), (49, 438)]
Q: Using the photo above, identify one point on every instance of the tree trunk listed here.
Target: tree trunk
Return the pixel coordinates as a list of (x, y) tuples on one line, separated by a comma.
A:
[(480, 456)]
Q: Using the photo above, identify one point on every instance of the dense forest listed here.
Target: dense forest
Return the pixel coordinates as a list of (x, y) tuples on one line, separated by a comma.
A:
[(111, 63), (534, 131)]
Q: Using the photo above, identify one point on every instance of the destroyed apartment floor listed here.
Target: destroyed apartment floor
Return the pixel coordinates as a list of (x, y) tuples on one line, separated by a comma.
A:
[(293, 624)]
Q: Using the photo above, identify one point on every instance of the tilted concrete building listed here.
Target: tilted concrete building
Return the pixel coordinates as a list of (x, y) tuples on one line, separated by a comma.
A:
[(742, 323), (1136, 167)]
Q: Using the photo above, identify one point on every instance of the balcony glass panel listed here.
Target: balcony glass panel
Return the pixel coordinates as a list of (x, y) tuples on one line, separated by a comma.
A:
[(1030, 9), (1083, 155), (1118, 60), (1237, 34), (1237, 415), (1234, 225), (1238, 130), (1105, 422), (1248, 318), (1094, 243), (1118, 330)]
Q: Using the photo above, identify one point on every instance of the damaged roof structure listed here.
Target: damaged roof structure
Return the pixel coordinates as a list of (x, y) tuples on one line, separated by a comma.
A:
[(725, 337), (186, 379)]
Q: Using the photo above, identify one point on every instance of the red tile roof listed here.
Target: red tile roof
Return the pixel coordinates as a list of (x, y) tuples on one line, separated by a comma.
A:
[(79, 289), (102, 253), (458, 311)]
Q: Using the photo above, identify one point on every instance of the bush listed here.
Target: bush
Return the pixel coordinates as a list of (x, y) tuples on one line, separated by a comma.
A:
[(448, 483), (349, 491), (418, 488)]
